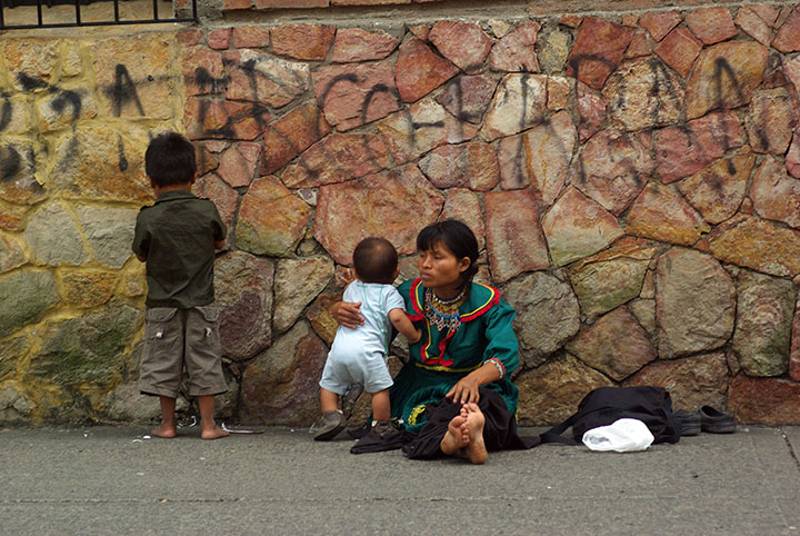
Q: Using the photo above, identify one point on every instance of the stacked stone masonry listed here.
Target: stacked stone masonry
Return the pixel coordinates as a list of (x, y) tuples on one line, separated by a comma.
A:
[(242, 5), (634, 180)]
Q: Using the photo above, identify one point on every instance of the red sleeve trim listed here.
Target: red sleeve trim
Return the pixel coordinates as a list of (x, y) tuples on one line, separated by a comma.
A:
[(416, 302)]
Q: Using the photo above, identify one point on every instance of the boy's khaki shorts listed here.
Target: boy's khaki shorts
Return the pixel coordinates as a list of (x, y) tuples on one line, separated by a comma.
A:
[(175, 338)]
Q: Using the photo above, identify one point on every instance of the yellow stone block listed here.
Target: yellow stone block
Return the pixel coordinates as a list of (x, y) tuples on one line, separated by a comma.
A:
[(64, 108), (71, 59), (5, 80), (12, 217), (19, 164), (31, 62), (101, 162), (15, 114), (132, 282), (86, 288), (137, 76)]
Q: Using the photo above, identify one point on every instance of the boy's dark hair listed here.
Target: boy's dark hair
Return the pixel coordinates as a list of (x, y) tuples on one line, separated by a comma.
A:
[(456, 236), (375, 260), (170, 159)]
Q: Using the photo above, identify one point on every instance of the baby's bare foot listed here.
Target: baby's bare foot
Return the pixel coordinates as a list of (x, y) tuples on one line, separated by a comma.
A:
[(213, 433), (457, 436), (476, 449), (165, 431)]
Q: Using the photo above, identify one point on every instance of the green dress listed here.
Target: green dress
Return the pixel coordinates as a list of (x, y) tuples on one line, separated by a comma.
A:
[(441, 358)]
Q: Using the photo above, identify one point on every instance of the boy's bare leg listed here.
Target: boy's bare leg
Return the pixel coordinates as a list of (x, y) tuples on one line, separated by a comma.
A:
[(208, 427), (476, 449), (381, 407), (328, 401), (457, 437), (167, 430)]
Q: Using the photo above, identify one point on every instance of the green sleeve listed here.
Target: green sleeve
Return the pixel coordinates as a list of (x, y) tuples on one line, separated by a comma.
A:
[(404, 288), (141, 238), (502, 340)]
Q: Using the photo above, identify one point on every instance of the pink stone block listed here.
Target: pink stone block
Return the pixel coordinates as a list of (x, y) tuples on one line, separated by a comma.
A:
[(711, 25), (679, 50), (659, 23), (788, 37), (219, 39), (250, 37)]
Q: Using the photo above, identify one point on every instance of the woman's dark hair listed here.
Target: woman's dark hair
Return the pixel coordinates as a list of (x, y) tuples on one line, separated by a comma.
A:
[(375, 260), (170, 159), (457, 237)]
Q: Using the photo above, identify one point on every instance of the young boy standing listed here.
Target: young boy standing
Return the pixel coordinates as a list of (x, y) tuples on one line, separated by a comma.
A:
[(177, 237)]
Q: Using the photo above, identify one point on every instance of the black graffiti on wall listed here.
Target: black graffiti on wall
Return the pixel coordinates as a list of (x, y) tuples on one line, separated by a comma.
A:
[(10, 162), (122, 93)]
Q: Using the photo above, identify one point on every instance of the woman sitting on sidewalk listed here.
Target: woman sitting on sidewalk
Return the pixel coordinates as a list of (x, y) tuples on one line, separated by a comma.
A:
[(454, 396)]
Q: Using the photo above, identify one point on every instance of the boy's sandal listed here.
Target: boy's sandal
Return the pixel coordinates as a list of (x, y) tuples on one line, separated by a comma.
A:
[(232, 429), (715, 421)]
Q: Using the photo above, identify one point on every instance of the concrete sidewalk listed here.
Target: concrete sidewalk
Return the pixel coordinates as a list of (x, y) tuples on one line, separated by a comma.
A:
[(110, 481)]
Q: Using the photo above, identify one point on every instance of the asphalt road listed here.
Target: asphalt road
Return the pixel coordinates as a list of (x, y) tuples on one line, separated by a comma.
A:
[(112, 481)]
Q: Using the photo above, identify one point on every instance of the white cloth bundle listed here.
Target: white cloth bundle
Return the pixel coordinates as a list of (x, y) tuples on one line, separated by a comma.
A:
[(624, 435)]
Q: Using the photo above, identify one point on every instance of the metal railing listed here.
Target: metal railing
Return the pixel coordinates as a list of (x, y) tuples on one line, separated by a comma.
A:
[(7, 5)]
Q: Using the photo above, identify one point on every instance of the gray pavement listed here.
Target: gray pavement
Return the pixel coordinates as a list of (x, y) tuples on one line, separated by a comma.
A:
[(111, 481)]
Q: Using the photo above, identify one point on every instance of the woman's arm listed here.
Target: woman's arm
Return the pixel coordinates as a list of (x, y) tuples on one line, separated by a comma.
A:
[(347, 314), (500, 357), (466, 390)]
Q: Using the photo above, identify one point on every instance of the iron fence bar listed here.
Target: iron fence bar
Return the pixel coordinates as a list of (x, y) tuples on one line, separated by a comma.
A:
[(79, 22), (84, 24)]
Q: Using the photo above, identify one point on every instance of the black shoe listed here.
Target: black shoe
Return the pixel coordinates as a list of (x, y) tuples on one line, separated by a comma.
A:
[(689, 422), (359, 430), (714, 421), (328, 426), (384, 435)]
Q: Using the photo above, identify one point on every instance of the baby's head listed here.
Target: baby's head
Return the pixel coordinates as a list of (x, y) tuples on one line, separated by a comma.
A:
[(375, 260), (170, 161)]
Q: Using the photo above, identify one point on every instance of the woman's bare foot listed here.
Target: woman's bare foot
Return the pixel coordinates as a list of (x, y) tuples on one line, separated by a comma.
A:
[(165, 431), (476, 448), (457, 436), (213, 433)]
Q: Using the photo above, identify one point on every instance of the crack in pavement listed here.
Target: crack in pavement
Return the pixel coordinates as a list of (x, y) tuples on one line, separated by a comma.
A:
[(789, 446)]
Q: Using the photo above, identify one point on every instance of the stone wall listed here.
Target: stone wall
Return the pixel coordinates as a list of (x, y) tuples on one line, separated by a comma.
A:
[(632, 177)]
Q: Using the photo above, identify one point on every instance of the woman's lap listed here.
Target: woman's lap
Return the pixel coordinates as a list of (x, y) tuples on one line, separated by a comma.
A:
[(499, 432)]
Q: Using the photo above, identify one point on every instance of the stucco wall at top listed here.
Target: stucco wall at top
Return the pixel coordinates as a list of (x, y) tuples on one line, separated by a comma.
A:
[(633, 179)]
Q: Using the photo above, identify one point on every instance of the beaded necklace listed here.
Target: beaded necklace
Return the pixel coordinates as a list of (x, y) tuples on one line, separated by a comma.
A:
[(444, 313)]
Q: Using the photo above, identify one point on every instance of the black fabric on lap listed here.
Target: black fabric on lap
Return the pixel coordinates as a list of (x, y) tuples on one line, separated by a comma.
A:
[(499, 432)]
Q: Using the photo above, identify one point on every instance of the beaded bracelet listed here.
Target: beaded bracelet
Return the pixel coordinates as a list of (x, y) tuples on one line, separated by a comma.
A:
[(498, 365)]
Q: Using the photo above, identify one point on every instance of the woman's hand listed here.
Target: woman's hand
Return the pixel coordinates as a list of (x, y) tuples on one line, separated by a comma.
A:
[(465, 391), (347, 314)]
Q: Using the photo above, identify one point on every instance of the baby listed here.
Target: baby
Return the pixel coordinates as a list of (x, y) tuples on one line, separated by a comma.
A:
[(358, 356)]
